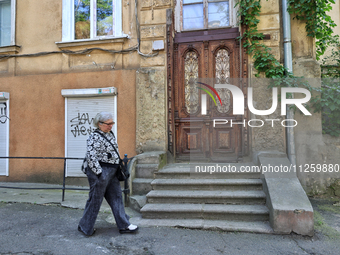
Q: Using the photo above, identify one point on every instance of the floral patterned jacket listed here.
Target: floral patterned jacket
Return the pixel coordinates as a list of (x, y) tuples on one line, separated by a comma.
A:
[(100, 150)]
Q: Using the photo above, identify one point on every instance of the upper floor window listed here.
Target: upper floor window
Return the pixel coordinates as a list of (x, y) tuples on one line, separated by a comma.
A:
[(7, 22), (205, 14), (91, 19)]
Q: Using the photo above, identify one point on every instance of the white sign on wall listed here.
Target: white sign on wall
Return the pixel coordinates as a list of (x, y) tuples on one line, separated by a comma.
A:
[(81, 106)]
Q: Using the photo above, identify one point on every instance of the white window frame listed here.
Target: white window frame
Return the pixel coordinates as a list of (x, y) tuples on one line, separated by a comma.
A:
[(68, 21), (4, 97), (13, 13), (179, 16)]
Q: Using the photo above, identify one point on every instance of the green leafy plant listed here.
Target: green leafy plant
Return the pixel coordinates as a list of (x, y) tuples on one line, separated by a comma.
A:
[(318, 25), (264, 61)]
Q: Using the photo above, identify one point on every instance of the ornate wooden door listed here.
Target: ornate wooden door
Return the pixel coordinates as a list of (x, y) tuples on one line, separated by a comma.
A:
[(199, 55)]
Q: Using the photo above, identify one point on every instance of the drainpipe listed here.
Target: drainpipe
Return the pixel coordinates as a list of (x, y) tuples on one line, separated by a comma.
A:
[(288, 63)]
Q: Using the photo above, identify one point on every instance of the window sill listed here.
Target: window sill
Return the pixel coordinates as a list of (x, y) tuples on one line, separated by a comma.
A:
[(97, 41), (11, 49), (206, 29)]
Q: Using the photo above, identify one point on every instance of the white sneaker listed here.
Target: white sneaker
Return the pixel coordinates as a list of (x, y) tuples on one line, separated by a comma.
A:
[(130, 229)]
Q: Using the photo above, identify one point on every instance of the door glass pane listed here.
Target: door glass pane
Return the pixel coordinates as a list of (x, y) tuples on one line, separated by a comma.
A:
[(104, 17), (82, 19), (193, 16), (218, 14), (222, 75), (190, 86), (5, 23)]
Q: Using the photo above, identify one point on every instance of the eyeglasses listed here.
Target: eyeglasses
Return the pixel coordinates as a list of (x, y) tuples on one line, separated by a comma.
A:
[(108, 124)]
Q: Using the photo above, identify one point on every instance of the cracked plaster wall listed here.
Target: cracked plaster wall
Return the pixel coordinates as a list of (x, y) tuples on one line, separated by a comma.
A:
[(270, 136), (151, 109)]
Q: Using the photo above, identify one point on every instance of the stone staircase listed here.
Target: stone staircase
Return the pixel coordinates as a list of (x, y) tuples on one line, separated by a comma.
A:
[(232, 201)]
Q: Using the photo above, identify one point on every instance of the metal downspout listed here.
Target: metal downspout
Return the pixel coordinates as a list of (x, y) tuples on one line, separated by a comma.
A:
[(288, 63)]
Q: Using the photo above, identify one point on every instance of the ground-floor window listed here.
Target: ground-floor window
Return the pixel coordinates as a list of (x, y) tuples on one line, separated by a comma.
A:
[(81, 106), (4, 132)]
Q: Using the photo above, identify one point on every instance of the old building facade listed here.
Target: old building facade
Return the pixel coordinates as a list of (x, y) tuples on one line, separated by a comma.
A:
[(63, 61)]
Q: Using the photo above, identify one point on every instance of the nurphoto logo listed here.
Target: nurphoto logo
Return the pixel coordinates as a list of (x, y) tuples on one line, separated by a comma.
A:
[(238, 103)]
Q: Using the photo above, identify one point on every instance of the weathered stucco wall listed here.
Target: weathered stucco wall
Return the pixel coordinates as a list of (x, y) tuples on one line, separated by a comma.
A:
[(37, 119), (311, 146), (270, 24), (151, 79), (35, 82), (39, 29), (270, 136), (317, 183), (330, 148), (151, 122), (313, 149), (267, 138)]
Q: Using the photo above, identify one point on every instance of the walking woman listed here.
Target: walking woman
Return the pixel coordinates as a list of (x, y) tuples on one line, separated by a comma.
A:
[(102, 163)]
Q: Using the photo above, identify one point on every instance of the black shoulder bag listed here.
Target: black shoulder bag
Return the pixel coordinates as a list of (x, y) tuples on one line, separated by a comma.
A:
[(122, 172)]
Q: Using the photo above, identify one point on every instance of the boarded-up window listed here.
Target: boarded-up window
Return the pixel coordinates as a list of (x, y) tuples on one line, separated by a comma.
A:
[(81, 106), (4, 132)]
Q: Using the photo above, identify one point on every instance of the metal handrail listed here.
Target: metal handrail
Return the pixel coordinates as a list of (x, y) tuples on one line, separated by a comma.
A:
[(126, 189)]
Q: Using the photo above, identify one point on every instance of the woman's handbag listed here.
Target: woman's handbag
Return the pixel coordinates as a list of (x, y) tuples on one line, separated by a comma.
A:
[(122, 173)]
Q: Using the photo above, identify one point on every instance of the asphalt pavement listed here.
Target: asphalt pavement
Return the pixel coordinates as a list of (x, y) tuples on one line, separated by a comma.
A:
[(38, 222)]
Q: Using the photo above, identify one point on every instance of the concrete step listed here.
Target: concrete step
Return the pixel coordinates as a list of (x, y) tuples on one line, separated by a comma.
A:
[(221, 171), (136, 202), (207, 184), (201, 196), (141, 186), (206, 211), (151, 157), (221, 225), (229, 201), (146, 170)]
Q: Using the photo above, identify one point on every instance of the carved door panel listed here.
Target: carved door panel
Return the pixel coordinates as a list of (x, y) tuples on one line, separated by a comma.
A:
[(224, 67), (191, 133), (194, 59)]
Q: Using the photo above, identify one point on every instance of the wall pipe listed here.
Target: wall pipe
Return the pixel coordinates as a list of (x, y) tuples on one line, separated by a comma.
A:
[(288, 63)]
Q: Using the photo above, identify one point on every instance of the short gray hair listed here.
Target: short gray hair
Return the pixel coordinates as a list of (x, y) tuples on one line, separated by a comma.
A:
[(102, 117)]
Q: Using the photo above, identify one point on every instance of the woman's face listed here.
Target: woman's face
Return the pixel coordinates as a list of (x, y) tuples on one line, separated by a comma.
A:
[(106, 126)]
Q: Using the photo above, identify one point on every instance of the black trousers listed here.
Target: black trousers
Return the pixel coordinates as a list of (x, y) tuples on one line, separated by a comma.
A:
[(108, 186)]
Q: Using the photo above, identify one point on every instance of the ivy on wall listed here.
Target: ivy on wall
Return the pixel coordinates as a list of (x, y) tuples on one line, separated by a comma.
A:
[(318, 25), (264, 60)]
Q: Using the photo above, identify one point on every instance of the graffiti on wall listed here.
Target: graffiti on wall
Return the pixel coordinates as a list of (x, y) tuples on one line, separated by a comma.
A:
[(3, 113), (81, 125)]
